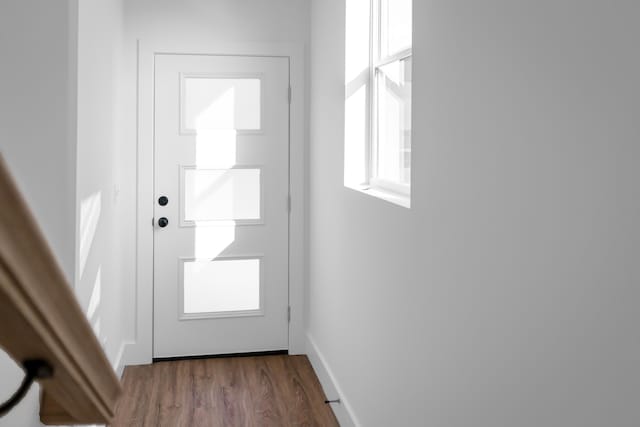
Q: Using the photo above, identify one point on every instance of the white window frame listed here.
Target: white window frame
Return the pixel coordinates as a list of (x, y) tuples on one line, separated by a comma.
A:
[(376, 60)]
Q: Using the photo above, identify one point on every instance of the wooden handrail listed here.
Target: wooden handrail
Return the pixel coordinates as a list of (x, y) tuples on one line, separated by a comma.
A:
[(40, 318)]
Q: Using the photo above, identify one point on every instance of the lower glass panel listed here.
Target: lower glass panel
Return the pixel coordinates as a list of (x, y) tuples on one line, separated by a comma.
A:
[(221, 286), (394, 121)]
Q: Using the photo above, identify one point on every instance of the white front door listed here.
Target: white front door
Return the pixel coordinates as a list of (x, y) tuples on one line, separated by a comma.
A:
[(221, 204)]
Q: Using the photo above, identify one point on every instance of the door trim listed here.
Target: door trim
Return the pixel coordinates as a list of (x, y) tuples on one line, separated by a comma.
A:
[(140, 351)]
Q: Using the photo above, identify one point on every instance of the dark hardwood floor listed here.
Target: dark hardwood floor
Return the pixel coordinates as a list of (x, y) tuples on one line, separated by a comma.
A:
[(276, 391)]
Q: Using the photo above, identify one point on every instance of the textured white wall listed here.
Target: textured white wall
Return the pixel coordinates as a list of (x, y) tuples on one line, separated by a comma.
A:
[(508, 294), (37, 138)]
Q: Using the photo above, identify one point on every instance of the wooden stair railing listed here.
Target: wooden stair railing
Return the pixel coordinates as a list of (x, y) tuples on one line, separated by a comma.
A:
[(40, 318)]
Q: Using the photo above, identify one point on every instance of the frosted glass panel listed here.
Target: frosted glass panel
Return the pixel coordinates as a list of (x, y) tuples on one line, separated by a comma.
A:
[(221, 285), (221, 103), (221, 194)]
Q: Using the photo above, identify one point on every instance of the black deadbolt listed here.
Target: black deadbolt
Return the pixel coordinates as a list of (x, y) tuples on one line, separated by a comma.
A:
[(162, 201), (163, 222)]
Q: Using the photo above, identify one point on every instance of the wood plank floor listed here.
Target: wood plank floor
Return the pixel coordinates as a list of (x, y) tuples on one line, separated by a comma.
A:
[(276, 391)]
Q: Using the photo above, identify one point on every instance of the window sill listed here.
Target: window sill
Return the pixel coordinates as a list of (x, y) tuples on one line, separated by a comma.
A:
[(399, 199)]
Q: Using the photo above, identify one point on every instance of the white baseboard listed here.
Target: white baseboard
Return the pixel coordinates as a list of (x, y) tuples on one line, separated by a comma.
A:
[(343, 411), (137, 354), (122, 358)]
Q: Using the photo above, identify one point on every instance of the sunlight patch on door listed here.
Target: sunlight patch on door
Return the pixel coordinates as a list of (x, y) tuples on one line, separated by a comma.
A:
[(216, 148)]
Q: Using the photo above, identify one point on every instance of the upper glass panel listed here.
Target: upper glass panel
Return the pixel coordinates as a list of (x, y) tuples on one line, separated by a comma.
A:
[(213, 103), (394, 121), (395, 26)]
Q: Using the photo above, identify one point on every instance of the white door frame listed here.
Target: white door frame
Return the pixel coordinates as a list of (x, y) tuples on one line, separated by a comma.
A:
[(140, 350)]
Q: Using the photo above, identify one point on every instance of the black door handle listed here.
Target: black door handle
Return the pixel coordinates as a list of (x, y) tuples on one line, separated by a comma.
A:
[(163, 200), (163, 222)]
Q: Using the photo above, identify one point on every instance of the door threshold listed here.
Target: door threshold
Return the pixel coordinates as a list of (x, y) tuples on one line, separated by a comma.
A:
[(219, 356)]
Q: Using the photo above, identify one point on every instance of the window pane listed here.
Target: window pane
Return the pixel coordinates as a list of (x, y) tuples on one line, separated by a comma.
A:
[(221, 194), (394, 121), (221, 285), (395, 26), (221, 103)]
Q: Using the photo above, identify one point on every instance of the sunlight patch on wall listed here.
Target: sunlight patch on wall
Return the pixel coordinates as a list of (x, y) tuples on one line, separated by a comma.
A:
[(94, 301), (90, 209), (216, 148)]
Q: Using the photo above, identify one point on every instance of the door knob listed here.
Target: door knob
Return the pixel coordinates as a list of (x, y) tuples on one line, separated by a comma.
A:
[(163, 222), (163, 200)]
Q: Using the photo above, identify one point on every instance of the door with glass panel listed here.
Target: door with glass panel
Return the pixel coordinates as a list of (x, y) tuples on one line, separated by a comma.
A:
[(221, 204)]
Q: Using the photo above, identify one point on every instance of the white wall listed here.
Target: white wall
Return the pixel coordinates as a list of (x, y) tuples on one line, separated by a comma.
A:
[(507, 295), (218, 20), (197, 23), (105, 282), (61, 135), (37, 138)]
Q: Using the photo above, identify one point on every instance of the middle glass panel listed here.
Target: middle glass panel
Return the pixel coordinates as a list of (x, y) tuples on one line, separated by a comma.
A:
[(222, 195)]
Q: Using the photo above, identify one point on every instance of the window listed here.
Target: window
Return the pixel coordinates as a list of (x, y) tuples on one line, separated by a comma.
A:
[(378, 76)]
